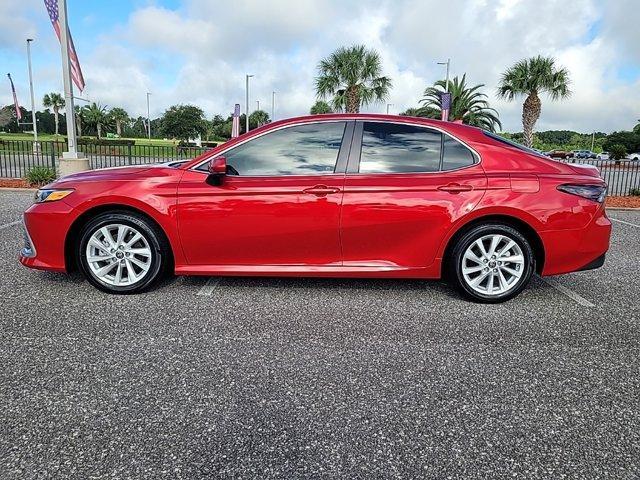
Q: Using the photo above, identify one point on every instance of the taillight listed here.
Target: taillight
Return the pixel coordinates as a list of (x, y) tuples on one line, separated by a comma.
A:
[(590, 192)]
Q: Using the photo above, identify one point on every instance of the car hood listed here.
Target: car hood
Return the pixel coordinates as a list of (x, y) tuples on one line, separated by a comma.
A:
[(103, 174)]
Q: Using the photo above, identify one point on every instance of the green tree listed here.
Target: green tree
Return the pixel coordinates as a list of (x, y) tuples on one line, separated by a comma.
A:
[(120, 117), (629, 140), (54, 101), (353, 78), (96, 116), (468, 104), (258, 118), (320, 107), (531, 77), (5, 116), (183, 122), (636, 129)]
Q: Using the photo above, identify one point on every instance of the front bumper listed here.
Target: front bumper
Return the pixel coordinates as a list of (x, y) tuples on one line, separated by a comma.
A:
[(45, 230)]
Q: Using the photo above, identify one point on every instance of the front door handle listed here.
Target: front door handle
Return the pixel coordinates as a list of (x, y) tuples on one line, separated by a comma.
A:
[(455, 188), (321, 190)]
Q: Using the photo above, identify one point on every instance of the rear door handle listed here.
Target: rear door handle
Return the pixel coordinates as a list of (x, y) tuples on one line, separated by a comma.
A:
[(321, 190), (455, 188)]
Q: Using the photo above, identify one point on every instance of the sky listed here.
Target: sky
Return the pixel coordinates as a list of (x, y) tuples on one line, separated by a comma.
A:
[(198, 52)]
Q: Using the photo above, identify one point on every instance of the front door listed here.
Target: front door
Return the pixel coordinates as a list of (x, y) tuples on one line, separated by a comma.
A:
[(279, 204)]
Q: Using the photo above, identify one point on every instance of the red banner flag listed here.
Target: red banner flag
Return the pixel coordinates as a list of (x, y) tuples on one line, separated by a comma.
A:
[(15, 99)]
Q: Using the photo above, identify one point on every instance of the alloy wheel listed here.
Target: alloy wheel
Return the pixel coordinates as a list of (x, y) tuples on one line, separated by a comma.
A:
[(118, 255), (493, 264)]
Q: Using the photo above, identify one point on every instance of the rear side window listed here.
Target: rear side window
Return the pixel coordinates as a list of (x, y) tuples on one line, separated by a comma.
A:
[(456, 155), (394, 148)]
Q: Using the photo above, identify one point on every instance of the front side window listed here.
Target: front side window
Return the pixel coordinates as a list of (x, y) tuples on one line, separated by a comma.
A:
[(310, 149), (395, 148)]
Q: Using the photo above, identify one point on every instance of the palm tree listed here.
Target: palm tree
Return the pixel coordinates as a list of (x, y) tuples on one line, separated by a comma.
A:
[(468, 104), (353, 77), (320, 107), (79, 118), (530, 77), (56, 102), (96, 115), (120, 116)]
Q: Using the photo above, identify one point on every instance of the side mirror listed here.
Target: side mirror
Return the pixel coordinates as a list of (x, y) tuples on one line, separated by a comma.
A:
[(217, 170)]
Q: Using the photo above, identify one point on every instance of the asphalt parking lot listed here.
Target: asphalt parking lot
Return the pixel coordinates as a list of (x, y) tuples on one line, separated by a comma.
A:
[(303, 378)]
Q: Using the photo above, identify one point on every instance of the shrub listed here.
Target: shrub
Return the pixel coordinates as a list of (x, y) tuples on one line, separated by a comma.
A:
[(38, 176), (617, 152), (634, 192)]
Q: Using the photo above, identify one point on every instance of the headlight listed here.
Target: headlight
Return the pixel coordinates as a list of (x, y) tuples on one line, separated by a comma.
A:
[(50, 195)]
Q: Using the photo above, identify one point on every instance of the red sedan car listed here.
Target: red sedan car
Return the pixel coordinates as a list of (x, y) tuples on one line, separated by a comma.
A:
[(333, 196)]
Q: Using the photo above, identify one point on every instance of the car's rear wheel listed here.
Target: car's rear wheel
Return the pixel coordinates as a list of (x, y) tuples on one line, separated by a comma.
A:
[(121, 252), (492, 263)]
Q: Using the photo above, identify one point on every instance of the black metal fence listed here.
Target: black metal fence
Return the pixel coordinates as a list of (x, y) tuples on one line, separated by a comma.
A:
[(17, 157), (622, 177)]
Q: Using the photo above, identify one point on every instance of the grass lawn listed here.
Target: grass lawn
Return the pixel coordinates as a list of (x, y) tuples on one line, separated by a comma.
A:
[(50, 138)]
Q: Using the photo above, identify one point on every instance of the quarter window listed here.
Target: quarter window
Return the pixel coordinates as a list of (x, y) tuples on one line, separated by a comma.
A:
[(395, 148), (456, 155), (310, 149)]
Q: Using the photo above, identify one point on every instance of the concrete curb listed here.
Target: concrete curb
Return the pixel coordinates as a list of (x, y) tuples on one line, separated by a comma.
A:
[(623, 209), (17, 189)]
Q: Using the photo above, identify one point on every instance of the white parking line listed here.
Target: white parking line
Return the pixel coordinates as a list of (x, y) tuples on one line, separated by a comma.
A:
[(208, 288), (568, 292), (12, 224), (626, 223)]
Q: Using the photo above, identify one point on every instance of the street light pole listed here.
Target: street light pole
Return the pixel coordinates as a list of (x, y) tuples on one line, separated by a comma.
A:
[(36, 145), (148, 118), (72, 150), (389, 105), (246, 119), (258, 104), (273, 105), (448, 64)]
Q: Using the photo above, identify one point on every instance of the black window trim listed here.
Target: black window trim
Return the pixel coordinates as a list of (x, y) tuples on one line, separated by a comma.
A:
[(341, 159), (353, 167)]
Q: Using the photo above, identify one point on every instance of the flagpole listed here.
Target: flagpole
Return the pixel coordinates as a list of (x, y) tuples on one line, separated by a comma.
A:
[(36, 145), (72, 150)]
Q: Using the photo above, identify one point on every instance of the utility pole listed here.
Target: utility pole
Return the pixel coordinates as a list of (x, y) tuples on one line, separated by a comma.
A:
[(148, 118), (593, 140), (72, 149), (389, 105), (36, 145), (258, 104), (273, 106), (246, 119)]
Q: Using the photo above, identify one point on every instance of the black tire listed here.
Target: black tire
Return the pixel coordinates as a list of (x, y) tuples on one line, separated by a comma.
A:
[(158, 244), (455, 262)]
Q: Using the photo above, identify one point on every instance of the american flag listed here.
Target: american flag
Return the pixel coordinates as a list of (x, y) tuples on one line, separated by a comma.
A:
[(445, 102), (15, 99), (235, 126), (76, 71)]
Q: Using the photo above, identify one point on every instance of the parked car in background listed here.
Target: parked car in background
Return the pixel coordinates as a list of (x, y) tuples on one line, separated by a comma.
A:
[(558, 154), (582, 154), (330, 196), (603, 156), (634, 156)]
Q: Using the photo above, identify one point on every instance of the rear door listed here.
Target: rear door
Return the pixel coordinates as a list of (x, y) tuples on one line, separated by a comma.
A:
[(405, 186), (279, 204)]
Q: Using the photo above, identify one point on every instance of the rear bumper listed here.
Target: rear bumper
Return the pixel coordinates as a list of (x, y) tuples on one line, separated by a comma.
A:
[(576, 250)]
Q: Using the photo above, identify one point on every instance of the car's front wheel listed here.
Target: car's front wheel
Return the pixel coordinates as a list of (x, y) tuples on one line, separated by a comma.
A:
[(492, 263), (121, 252)]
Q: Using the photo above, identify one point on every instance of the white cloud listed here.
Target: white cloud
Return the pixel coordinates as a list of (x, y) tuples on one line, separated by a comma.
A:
[(200, 52)]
